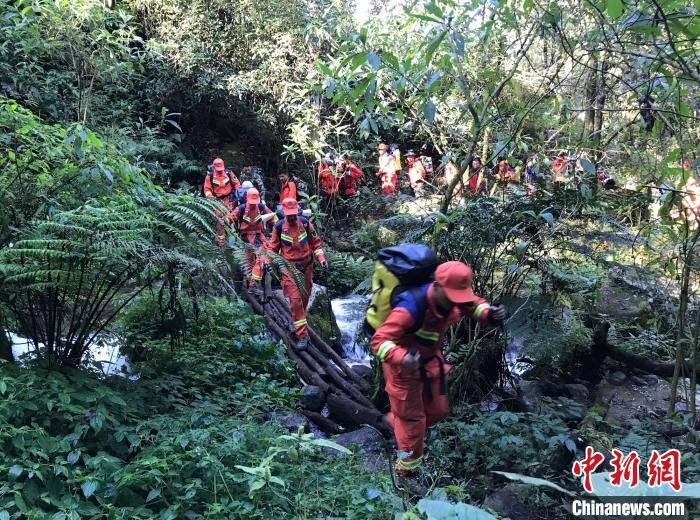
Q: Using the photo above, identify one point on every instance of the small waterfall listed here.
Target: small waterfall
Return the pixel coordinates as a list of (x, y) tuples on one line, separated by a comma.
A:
[(349, 314)]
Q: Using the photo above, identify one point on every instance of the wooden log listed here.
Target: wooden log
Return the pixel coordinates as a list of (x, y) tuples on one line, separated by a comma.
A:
[(306, 373), (326, 425), (339, 361), (659, 368), (351, 414), (313, 364)]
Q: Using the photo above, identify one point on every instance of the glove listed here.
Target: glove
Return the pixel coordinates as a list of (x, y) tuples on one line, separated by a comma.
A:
[(411, 361), (324, 264), (497, 312)]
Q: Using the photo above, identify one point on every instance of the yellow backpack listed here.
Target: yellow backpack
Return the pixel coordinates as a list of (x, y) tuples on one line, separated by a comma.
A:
[(398, 269)]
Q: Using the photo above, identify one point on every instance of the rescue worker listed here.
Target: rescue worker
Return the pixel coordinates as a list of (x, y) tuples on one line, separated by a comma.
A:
[(350, 175), (328, 181), (387, 171), (249, 224), (288, 188), (474, 174), (242, 192), (411, 354), (296, 240), (504, 173), (220, 183), (253, 174), (416, 173), (559, 168)]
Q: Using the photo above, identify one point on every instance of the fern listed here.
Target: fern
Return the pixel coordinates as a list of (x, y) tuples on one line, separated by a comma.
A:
[(67, 277)]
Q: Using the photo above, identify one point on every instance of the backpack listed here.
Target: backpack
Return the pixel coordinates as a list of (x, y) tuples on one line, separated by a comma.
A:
[(428, 165), (399, 269), (241, 195), (210, 170)]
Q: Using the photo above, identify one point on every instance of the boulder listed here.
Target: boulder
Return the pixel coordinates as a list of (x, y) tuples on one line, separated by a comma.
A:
[(577, 392), (291, 421), (645, 380), (509, 502), (365, 439), (314, 398), (617, 378), (369, 445), (321, 318)]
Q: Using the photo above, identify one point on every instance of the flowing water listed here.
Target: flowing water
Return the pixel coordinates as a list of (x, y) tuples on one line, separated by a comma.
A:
[(103, 355), (349, 314)]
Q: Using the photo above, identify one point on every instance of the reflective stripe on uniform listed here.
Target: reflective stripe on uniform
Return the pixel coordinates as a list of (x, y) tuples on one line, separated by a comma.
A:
[(384, 349), (428, 335), (300, 323), (256, 277), (410, 464), (318, 252), (480, 310), (286, 239)]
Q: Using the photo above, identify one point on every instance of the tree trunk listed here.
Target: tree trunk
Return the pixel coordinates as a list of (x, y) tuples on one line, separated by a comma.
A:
[(591, 88), (681, 339), (5, 348)]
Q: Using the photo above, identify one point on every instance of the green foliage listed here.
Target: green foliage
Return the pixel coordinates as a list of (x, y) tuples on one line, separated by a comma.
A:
[(469, 447), (346, 273), (67, 277), (175, 442)]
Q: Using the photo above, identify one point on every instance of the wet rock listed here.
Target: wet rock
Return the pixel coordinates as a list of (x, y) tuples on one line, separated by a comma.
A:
[(369, 445), (291, 421), (628, 404), (577, 392), (532, 393), (321, 318), (365, 439), (509, 502), (617, 378), (362, 370), (314, 398), (645, 380)]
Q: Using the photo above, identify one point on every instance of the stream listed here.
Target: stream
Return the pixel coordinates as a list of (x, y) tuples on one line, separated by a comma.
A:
[(103, 355)]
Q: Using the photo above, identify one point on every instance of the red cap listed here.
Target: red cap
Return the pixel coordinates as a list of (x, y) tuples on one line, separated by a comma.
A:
[(290, 206), (252, 196), (219, 164), (455, 278)]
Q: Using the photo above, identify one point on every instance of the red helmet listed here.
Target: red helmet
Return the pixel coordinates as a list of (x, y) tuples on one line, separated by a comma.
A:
[(290, 206), (219, 164)]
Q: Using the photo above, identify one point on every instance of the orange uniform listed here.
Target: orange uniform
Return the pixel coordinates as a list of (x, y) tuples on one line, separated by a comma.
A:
[(387, 173), (288, 190), (327, 180), (220, 183), (298, 243), (418, 399), (559, 167), (351, 175), (416, 174), (248, 219)]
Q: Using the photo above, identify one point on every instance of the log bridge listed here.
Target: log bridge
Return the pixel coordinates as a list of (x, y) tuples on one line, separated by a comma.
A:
[(342, 390)]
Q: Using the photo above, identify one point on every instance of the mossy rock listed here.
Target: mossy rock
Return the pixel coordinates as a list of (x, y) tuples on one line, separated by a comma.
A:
[(321, 318)]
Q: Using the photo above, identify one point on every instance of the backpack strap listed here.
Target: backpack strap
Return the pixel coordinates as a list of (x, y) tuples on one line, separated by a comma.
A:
[(420, 296)]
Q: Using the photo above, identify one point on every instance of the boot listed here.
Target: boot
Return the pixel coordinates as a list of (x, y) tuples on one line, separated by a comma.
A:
[(302, 343)]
